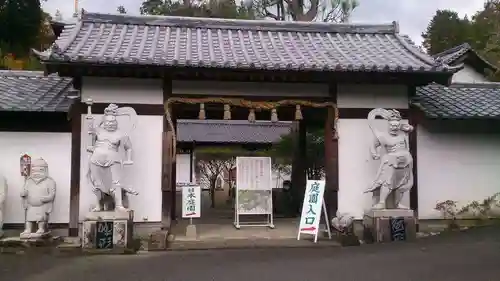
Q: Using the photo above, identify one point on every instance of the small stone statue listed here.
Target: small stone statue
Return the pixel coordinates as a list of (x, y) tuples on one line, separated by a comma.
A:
[(38, 199), (343, 223), (3, 196), (106, 163), (395, 174)]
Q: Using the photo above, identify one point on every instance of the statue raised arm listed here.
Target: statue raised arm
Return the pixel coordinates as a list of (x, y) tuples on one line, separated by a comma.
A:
[(105, 161), (395, 173)]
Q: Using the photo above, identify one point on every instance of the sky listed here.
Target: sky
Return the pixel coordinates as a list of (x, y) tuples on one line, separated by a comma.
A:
[(412, 15)]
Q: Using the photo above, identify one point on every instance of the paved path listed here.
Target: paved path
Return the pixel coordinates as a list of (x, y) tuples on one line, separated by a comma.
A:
[(471, 256)]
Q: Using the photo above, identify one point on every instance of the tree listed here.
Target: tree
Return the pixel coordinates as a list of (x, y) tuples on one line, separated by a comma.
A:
[(210, 170), (300, 10), (121, 10), (486, 28), (21, 24), (446, 30), (192, 8), (315, 152), (24, 26)]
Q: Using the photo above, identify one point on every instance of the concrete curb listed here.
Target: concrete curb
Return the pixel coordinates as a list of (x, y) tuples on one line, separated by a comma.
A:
[(236, 244)]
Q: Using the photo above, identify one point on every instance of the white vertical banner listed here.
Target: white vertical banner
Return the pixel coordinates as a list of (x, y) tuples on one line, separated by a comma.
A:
[(191, 201), (312, 207), (253, 189)]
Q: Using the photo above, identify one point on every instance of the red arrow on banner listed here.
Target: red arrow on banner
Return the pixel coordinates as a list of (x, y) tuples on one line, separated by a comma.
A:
[(190, 214), (312, 228)]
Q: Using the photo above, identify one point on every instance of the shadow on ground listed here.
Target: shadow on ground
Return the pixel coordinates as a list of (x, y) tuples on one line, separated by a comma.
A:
[(469, 255)]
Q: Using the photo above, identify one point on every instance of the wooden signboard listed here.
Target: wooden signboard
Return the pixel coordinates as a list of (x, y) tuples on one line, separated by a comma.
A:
[(104, 235), (398, 229)]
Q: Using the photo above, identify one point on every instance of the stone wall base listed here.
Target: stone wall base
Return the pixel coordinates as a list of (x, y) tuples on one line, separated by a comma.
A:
[(378, 229), (120, 233)]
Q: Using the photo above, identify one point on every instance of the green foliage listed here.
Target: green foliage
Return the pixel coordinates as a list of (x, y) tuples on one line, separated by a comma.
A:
[(482, 32), (282, 152), (446, 30), (24, 26), (475, 209), (21, 23), (299, 10), (212, 9), (121, 10)]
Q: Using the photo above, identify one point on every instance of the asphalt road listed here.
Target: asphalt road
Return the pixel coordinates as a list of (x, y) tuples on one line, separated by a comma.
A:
[(470, 256)]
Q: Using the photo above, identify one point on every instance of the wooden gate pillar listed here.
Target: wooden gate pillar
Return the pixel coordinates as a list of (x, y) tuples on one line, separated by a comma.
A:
[(331, 165), (331, 158), (298, 164)]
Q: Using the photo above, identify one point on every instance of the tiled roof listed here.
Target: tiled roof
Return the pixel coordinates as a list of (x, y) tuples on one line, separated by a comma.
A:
[(32, 91), (231, 131), (455, 55), (451, 55), (241, 44), (459, 101)]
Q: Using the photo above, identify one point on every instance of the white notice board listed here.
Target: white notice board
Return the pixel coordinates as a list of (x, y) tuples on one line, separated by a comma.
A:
[(191, 201), (254, 189)]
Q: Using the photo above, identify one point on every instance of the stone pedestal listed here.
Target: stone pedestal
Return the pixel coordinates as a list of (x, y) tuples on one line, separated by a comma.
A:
[(108, 231), (191, 231), (389, 225)]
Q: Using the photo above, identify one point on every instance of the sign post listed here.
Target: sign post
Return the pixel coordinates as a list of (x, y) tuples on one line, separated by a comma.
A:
[(311, 210), (191, 202)]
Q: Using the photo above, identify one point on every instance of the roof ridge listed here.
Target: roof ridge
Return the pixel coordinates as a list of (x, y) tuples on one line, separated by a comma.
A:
[(220, 23), (463, 46), (475, 85), (414, 50)]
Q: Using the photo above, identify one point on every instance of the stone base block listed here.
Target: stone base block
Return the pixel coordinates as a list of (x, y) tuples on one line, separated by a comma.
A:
[(347, 240), (389, 225), (110, 215), (158, 241), (110, 231)]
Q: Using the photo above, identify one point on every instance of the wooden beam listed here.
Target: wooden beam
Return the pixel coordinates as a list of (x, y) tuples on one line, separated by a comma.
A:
[(414, 119), (362, 113), (76, 140), (191, 162), (331, 158), (141, 109), (22, 121), (168, 194)]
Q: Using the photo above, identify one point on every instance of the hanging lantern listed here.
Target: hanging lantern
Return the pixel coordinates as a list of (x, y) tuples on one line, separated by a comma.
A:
[(227, 112), (201, 115), (298, 113), (251, 115), (274, 115)]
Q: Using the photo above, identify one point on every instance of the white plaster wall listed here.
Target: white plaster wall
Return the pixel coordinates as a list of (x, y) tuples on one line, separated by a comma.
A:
[(372, 96), (456, 166), (122, 90), (357, 170), (144, 175), (55, 148), (468, 75)]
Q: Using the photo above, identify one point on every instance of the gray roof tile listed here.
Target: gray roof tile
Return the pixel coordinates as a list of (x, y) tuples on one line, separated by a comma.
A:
[(451, 55), (242, 44), (231, 131), (455, 55), (459, 101), (32, 91)]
